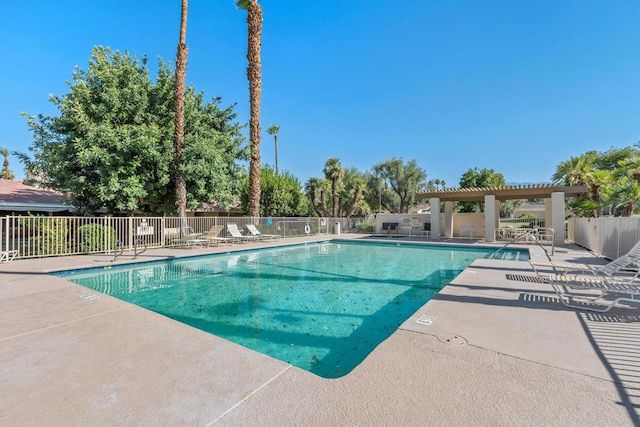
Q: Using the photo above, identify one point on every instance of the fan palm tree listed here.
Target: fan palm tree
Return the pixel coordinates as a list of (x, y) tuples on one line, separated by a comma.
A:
[(625, 194), (6, 173), (181, 70), (313, 188), (333, 172), (625, 197), (254, 75), (581, 171), (357, 185), (273, 130)]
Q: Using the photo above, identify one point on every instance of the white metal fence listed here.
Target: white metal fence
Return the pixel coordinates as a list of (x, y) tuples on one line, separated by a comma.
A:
[(35, 237), (608, 237)]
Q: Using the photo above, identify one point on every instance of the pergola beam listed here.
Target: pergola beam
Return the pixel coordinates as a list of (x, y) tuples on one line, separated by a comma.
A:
[(542, 191)]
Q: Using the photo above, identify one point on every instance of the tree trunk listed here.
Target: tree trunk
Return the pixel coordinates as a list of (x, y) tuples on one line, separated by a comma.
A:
[(181, 71), (354, 202), (323, 202), (336, 202), (275, 140), (254, 75)]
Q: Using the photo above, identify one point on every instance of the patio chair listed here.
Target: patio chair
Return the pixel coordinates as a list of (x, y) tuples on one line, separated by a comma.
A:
[(213, 236), (571, 291), (232, 228), (618, 265), (255, 232), (6, 256)]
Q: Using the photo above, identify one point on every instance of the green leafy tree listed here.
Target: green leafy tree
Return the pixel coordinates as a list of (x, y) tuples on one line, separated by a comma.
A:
[(111, 146), (610, 159), (404, 180), (5, 173), (479, 178), (378, 196), (254, 75), (280, 194)]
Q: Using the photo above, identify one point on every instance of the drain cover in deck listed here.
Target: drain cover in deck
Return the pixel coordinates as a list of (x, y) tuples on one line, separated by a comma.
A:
[(452, 339)]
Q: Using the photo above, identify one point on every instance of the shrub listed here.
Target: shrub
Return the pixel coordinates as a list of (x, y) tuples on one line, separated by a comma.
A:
[(96, 238), (50, 234), (365, 227)]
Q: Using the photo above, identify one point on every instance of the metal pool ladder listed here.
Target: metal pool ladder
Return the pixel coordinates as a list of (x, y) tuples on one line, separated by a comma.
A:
[(536, 233)]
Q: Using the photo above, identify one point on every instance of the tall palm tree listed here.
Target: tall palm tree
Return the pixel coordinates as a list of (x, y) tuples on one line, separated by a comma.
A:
[(254, 75), (333, 172), (6, 173), (181, 70), (273, 130)]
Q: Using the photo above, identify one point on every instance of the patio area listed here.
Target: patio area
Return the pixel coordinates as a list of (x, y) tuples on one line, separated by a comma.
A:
[(501, 350)]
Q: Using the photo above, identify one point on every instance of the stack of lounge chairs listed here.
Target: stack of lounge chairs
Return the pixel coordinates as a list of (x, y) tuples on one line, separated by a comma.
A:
[(234, 231), (615, 282)]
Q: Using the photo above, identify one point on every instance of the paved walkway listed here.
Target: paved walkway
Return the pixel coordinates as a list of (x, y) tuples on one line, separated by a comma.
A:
[(501, 351)]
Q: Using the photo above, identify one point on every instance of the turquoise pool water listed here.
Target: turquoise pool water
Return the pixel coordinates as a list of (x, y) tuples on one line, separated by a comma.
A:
[(322, 307)]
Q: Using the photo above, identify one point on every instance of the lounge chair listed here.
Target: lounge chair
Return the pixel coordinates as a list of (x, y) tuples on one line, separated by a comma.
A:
[(213, 236), (255, 232), (616, 266), (571, 291), (232, 228), (6, 256), (190, 238)]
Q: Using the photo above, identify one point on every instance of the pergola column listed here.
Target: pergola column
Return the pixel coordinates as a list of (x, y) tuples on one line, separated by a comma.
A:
[(557, 217), (448, 219), (548, 212), (490, 218), (434, 203)]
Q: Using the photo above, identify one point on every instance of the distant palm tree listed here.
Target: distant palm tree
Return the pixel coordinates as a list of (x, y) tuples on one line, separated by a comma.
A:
[(254, 75), (6, 173), (273, 130), (181, 70), (333, 172)]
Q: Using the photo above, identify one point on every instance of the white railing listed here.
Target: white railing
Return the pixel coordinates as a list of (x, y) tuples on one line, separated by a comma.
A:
[(44, 236), (522, 222), (607, 237)]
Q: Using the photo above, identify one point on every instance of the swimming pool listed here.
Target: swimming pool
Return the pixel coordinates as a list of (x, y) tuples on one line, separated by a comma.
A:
[(322, 307)]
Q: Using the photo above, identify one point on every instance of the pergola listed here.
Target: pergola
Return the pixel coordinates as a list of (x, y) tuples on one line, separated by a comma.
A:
[(554, 198)]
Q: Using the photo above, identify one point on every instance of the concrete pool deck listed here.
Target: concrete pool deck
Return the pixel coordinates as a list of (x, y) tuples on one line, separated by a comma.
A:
[(500, 351)]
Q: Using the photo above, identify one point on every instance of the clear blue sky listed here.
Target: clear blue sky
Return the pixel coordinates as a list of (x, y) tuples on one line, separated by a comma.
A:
[(513, 85)]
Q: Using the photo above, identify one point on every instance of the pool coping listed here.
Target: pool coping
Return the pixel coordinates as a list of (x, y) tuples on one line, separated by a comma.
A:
[(499, 352)]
